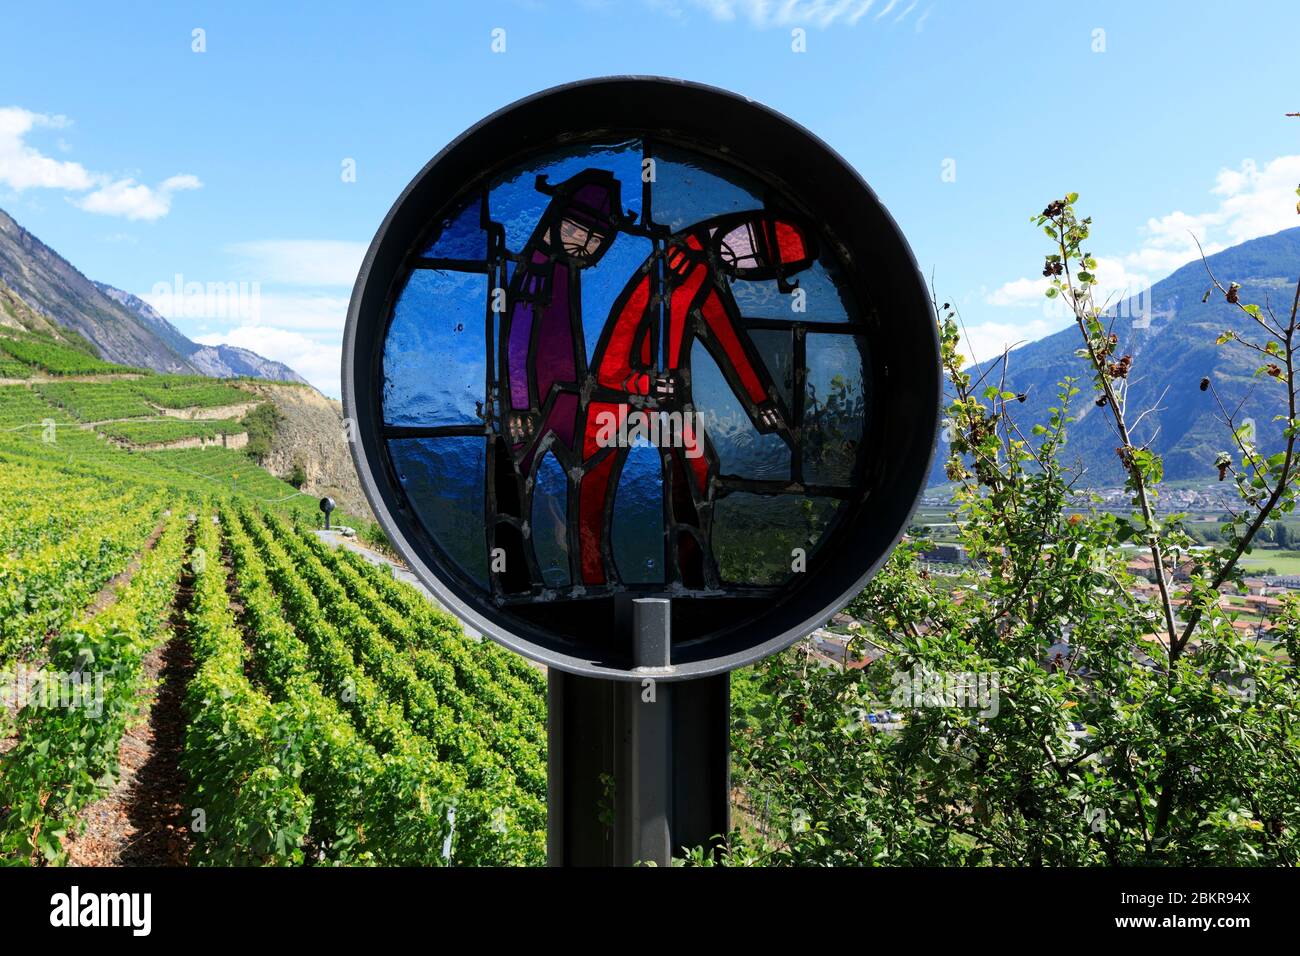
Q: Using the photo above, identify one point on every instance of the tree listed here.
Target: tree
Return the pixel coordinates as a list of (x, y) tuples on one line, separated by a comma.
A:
[(1054, 713)]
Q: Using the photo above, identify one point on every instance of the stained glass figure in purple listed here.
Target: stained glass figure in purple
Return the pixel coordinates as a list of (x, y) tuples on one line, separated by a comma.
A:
[(542, 355)]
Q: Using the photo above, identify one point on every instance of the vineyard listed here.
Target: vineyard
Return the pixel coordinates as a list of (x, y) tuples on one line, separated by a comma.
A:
[(25, 354), (300, 705)]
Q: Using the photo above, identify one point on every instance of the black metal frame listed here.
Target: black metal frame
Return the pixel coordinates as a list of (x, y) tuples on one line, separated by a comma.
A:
[(895, 453)]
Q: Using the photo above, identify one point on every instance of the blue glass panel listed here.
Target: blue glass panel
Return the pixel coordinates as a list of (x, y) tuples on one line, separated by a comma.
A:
[(515, 202), (549, 522), (602, 283), (461, 236), (754, 536), (742, 451), (443, 480), (638, 533), (689, 188), (434, 356), (835, 402), (825, 297), (777, 350)]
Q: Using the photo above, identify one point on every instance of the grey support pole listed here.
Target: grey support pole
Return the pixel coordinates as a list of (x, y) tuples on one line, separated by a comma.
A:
[(636, 769), (649, 709)]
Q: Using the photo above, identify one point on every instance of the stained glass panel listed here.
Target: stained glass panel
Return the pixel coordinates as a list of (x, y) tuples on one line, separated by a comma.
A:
[(638, 535), (515, 202), (690, 188), (443, 480), (742, 450), (756, 536), (643, 356), (549, 526), (777, 352), (435, 357), (835, 405), (462, 236), (822, 299)]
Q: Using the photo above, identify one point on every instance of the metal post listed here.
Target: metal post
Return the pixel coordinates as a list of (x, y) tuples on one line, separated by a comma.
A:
[(648, 707), (637, 770)]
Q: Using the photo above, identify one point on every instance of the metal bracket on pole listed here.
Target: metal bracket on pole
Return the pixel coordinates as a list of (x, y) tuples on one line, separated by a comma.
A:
[(637, 769)]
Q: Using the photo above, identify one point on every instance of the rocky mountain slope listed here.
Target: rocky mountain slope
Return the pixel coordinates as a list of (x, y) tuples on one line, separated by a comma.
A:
[(221, 361), (310, 435), (120, 327), (1171, 338)]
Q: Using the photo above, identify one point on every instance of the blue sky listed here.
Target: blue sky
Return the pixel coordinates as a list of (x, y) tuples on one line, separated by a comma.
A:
[(139, 159)]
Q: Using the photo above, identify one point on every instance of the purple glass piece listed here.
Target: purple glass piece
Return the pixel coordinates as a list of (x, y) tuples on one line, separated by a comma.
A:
[(521, 327), (562, 417), (555, 361), (595, 199)]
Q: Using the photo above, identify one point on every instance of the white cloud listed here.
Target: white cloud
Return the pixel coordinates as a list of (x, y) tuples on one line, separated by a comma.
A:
[(24, 167), (246, 302), (1170, 243), (314, 313), (135, 201), (1115, 282), (1258, 202), (316, 361), (766, 13), (1018, 293), (309, 262), (988, 340), (1254, 202)]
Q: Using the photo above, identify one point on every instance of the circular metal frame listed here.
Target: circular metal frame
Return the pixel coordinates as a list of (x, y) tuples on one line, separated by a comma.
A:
[(903, 339)]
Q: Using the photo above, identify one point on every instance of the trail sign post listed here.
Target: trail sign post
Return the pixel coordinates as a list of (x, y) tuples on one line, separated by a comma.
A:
[(645, 386)]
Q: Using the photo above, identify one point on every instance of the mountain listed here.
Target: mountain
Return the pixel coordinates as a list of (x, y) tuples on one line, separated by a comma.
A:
[(42, 292), (1171, 336), (221, 361)]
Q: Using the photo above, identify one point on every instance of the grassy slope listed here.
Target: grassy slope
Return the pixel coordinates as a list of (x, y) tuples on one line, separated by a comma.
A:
[(41, 424)]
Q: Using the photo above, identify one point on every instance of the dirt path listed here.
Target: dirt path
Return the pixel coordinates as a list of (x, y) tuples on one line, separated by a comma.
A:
[(143, 820)]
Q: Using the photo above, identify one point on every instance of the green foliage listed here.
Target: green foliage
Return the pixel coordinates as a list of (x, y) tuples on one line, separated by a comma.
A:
[(14, 369), (1116, 729), (62, 549), (189, 391), (333, 717), (67, 756), (97, 401), (260, 424), (243, 756), (411, 724), (164, 430), (373, 536), (56, 358)]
